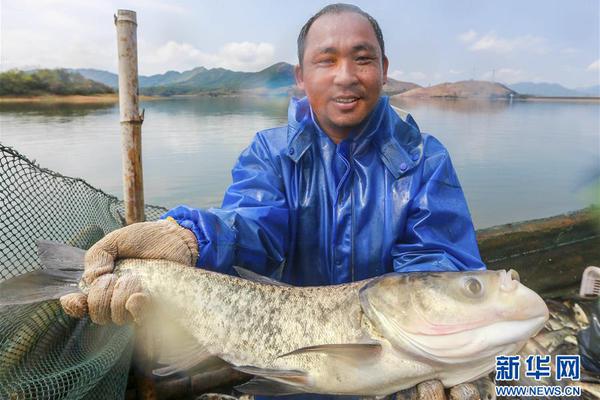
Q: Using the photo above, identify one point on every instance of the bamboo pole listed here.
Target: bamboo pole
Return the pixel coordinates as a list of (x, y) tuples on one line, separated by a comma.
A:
[(133, 187), (130, 118)]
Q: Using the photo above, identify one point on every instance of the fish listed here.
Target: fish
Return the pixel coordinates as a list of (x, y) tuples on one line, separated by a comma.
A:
[(373, 337)]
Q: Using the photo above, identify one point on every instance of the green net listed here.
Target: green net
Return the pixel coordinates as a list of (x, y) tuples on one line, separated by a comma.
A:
[(45, 354)]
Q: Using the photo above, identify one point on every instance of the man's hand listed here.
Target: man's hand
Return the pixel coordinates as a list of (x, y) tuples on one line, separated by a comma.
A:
[(482, 389), (164, 240), (112, 299)]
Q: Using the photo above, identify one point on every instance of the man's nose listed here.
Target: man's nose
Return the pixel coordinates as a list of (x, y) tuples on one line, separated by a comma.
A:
[(346, 73)]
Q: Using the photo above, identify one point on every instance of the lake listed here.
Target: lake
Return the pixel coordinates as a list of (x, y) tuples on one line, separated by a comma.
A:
[(516, 161)]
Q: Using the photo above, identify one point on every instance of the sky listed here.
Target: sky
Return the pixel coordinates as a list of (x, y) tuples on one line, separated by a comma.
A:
[(427, 41)]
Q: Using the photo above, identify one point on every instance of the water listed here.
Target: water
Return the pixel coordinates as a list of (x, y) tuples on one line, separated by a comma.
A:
[(515, 161)]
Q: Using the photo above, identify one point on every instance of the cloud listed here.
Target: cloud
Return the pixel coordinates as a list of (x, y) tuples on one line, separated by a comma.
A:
[(506, 75), (492, 42), (67, 33), (415, 76), (595, 66), (247, 55), (238, 56), (54, 52), (455, 72), (468, 36)]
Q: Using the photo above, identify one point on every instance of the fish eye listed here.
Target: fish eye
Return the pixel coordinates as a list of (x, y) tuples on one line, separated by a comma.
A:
[(473, 287)]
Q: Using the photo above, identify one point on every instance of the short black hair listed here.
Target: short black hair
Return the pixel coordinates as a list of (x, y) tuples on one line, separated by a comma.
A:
[(338, 8)]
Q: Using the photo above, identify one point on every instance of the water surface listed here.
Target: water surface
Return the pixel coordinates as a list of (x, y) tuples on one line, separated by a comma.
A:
[(515, 161)]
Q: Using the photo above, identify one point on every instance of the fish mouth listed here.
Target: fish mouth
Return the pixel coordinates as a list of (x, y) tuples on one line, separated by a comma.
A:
[(472, 344)]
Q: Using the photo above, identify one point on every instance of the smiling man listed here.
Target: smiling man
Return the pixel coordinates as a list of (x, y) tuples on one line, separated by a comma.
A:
[(346, 191)]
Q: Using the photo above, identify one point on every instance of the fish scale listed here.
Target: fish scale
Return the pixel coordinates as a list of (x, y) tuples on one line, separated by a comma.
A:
[(249, 323)]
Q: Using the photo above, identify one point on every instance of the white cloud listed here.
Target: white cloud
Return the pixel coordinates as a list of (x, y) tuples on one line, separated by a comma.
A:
[(455, 72), (492, 42), (53, 52), (415, 76), (247, 55), (396, 74), (74, 34), (468, 36), (595, 66), (506, 75), (238, 56)]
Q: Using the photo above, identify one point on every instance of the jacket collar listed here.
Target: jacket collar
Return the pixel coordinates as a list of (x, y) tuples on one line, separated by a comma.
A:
[(398, 142)]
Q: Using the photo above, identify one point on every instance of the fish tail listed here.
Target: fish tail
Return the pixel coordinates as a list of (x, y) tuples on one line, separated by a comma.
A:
[(63, 268)]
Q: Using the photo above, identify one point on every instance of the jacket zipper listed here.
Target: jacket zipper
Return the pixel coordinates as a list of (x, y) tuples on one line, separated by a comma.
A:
[(352, 215)]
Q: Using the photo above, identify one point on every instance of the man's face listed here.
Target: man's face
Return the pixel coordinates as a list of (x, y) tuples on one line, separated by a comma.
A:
[(342, 72)]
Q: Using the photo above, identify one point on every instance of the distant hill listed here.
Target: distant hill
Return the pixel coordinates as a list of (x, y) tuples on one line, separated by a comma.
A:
[(393, 87), (49, 82), (590, 90), (545, 89), (463, 89), (112, 79), (104, 77), (276, 79)]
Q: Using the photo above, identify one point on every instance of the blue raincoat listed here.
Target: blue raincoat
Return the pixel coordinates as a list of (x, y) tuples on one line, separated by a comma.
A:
[(309, 212)]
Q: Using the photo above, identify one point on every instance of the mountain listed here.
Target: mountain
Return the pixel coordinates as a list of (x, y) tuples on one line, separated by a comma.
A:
[(105, 77), (276, 79), (112, 80), (169, 77), (393, 87), (42, 82), (545, 89), (463, 89), (590, 90)]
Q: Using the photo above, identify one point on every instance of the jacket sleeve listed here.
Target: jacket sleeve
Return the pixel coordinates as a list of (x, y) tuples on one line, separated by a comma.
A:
[(251, 227), (439, 233)]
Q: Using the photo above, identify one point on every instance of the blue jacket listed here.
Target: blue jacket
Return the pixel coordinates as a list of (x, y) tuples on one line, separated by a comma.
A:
[(309, 212), (386, 199)]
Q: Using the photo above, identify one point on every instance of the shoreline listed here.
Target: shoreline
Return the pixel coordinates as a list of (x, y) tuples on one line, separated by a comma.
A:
[(500, 99), (70, 99), (114, 98), (565, 99)]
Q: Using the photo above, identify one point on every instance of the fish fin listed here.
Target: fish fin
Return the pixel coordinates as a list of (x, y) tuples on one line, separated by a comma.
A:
[(352, 351), (197, 357), (58, 256), (63, 269), (288, 377), (253, 276), (266, 387)]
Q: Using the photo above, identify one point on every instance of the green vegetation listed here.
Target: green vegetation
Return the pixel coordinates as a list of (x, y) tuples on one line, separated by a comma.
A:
[(48, 82)]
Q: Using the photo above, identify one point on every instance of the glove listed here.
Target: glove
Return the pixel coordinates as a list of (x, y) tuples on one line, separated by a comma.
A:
[(164, 240), (115, 299), (434, 390), (431, 390)]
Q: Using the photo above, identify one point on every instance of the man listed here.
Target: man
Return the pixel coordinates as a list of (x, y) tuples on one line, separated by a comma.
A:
[(346, 191)]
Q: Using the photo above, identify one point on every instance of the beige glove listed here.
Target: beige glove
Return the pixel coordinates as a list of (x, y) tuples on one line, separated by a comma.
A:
[(434, 390), (114, 299), (431, 390)]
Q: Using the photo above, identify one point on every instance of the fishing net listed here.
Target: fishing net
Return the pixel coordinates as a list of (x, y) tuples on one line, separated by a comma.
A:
[(45, 354)]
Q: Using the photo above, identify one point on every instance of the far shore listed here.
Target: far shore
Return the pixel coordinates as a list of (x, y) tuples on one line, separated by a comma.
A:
[(71, 99), (114, 98), (502, 99), (566, 99)]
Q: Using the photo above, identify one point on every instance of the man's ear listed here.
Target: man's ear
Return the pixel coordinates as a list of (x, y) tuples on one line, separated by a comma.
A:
[(385, 69), (299, 77)]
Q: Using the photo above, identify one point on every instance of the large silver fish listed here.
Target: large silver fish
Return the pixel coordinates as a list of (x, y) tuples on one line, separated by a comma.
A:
[(371, 338)]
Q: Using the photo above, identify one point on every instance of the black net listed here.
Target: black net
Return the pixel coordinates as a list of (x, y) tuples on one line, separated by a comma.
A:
[(45, 354)]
